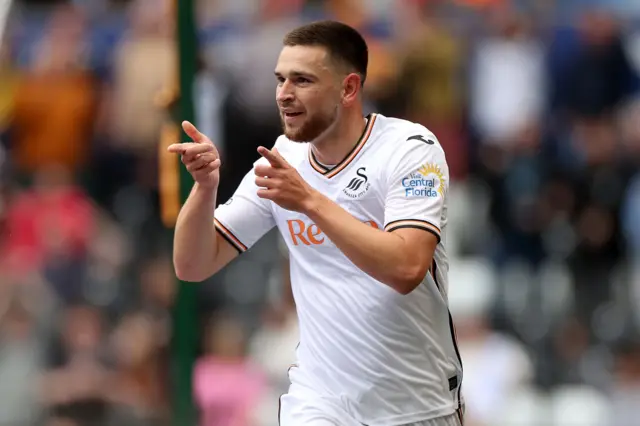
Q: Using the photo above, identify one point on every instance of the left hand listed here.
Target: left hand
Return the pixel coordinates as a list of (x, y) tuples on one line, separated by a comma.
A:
[(281, 183)]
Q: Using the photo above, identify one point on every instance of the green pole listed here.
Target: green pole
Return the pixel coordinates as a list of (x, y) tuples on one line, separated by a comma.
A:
[(185, 332)]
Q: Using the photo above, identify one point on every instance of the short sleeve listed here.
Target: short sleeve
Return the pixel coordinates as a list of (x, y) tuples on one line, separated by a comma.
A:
[(418, 182), (245, 217)]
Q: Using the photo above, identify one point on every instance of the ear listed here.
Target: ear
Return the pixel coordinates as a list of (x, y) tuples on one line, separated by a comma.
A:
[(351, 86)]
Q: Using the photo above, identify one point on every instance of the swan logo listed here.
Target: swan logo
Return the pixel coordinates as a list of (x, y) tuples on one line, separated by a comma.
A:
[(357, 186)]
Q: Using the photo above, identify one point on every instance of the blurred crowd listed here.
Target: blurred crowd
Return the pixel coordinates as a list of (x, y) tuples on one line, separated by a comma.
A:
[(537, 105)]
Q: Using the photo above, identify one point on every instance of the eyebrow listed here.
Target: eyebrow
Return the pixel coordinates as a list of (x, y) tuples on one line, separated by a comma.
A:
[(296, 74)]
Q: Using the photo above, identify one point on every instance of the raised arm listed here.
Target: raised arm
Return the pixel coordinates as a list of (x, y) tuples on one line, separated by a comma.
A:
[(207, 236), (198, 250)]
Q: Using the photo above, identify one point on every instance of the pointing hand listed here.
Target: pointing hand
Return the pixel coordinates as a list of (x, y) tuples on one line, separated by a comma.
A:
[(200, 157)]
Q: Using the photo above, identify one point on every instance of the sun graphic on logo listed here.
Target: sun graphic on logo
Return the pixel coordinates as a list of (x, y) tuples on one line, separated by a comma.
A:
[(433, 171)]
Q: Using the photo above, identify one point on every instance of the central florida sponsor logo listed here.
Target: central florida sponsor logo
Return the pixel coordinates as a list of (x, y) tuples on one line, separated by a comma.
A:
[(426, 182)]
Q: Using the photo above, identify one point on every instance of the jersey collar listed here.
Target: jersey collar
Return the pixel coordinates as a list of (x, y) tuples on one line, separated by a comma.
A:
[(329, 173)]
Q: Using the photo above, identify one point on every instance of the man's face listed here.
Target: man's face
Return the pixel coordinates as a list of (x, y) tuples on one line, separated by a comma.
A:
[(308, 92)]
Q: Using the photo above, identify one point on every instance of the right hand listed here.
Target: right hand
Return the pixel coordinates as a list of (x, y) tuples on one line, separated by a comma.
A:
[(200, 157)]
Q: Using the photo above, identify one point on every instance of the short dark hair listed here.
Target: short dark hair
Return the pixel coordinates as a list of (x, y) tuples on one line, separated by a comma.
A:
[(344, 43)]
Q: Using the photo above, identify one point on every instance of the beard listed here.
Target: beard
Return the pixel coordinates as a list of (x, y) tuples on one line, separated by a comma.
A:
[(310, 129)]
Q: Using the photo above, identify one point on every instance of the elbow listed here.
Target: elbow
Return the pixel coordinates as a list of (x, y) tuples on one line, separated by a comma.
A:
[(184, 274), (408, 279), (189, 273), (186, 277), (190, 277), (406, 286)]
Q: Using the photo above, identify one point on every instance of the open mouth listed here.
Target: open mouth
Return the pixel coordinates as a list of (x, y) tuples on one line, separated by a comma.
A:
[(292, 114)]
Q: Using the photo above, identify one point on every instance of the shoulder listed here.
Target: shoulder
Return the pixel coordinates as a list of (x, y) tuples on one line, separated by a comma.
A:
[(397, 133), (400, 139)]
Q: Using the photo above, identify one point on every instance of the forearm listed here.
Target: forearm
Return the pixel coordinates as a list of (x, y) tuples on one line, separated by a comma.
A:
[(195, 242), (384, 256)]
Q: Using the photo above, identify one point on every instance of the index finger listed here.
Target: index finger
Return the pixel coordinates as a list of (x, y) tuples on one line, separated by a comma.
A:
[(177, 148), (194, 133), (190, 148), (273, 157)]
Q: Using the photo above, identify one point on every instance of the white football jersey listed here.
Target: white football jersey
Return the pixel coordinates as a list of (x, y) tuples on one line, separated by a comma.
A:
[(389, 358)]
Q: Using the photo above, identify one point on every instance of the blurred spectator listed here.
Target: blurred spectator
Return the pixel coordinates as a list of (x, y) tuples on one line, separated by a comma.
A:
[(631, 204), (506, 106), (22, 356), (227, 386), (9, 80), (158, 294), (48, 228), (571, 343), (626, 390), (108, 259), (134, 117), (599, 76), (74, 387), (507, 82), (143, 65), (56, 99), (598, 188), (496, 366), (137, 388)]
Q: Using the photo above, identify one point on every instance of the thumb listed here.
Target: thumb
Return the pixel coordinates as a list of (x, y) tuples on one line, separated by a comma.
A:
[(194, 133)]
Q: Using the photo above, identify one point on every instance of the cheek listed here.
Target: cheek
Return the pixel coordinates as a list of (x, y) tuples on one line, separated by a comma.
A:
[(321, 100)]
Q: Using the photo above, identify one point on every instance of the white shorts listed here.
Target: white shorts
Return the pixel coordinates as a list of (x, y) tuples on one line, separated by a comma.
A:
[(303, 407)]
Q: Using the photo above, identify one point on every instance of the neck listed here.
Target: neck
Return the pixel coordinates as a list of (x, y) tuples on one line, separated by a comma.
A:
[(332, 148)]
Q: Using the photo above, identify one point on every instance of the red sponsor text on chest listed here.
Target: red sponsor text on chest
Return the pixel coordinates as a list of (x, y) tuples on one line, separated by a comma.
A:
[(309, 234)]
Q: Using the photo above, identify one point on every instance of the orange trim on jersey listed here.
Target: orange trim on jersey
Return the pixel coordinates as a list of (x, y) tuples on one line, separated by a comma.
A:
[(329, 173), (228, 235), (413, 223)]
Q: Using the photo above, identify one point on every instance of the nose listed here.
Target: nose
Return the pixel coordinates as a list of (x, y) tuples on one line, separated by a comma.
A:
[(284, 92)]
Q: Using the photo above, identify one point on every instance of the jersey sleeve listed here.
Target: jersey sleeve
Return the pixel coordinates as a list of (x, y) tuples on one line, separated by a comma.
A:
[(418, 181), (245, 217)]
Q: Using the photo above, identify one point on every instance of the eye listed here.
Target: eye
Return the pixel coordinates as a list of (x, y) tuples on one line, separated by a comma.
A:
[(280, 79), (302, 80)]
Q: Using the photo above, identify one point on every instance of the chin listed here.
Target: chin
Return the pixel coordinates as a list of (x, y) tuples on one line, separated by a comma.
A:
[(294, 135), (304, 133), (310, 129)]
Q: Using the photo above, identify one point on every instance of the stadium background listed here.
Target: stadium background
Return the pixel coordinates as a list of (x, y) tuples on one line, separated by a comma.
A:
[(535, 102)]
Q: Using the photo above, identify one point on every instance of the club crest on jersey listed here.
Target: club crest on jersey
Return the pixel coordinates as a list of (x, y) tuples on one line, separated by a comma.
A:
[(426, 182), (358, 185)]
